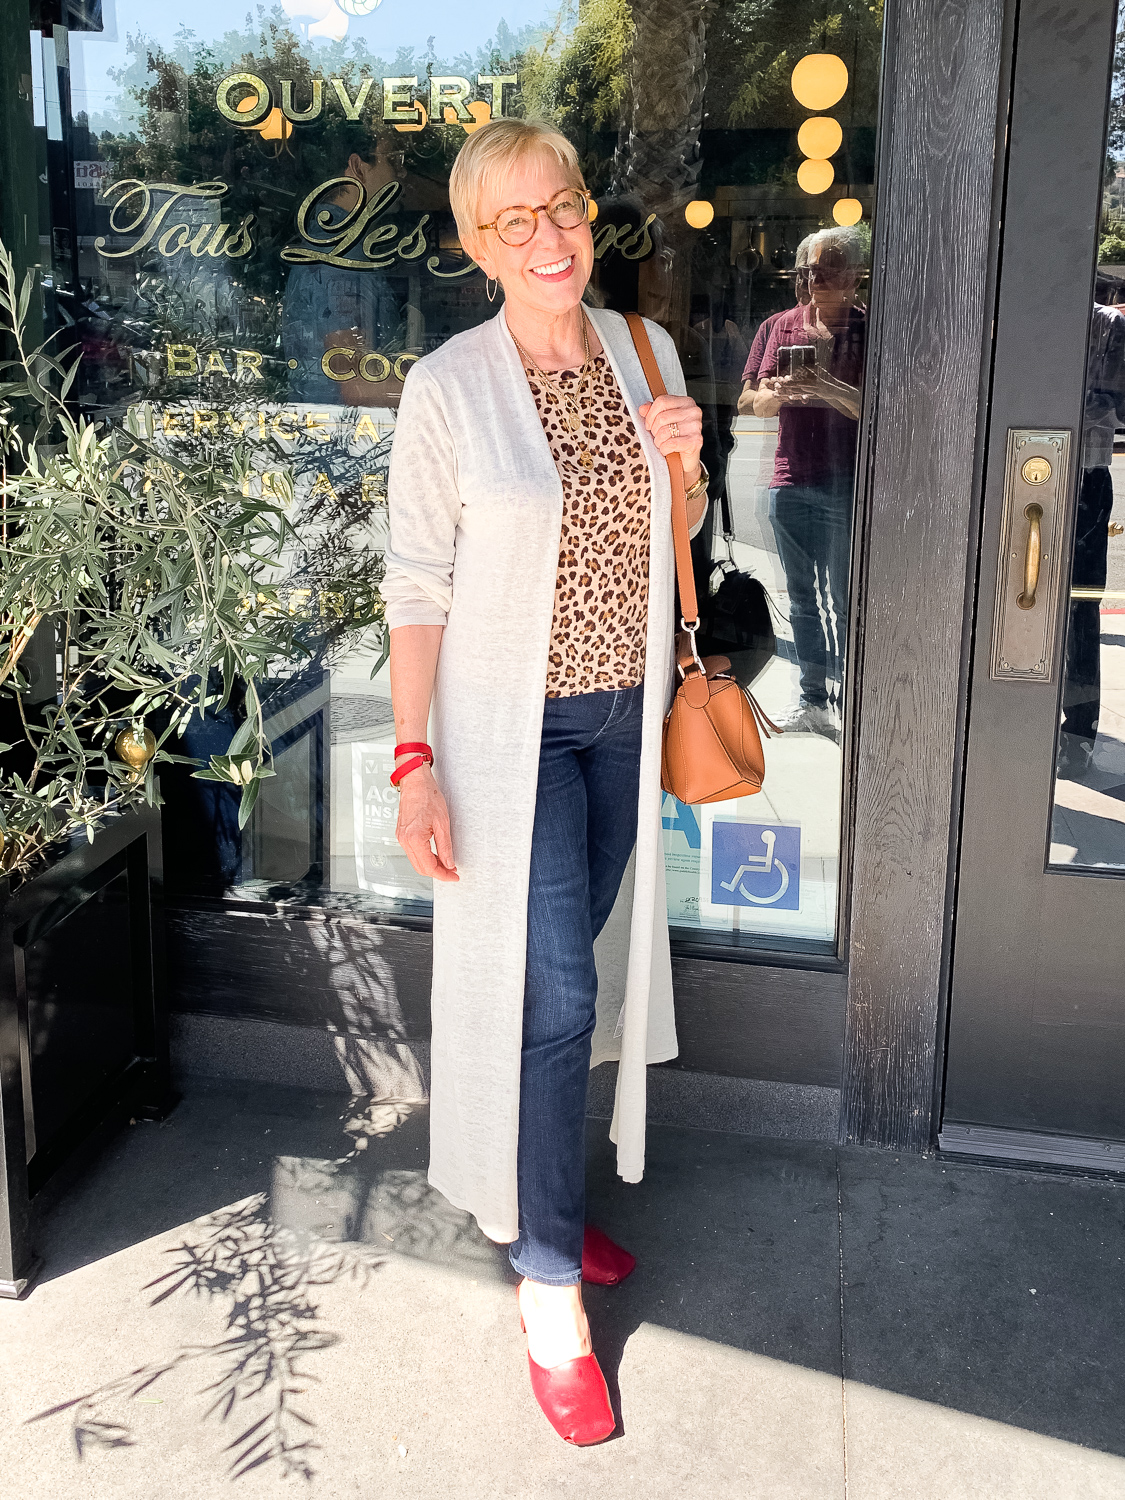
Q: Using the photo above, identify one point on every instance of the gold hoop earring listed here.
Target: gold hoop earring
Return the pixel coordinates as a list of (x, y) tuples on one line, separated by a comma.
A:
[(491, 287)]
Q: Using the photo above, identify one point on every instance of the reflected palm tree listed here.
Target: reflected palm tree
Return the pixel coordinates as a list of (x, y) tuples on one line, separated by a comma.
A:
[(658, 154)]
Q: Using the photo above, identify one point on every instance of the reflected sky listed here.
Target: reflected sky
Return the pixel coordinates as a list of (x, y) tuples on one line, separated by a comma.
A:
[(449, 26)]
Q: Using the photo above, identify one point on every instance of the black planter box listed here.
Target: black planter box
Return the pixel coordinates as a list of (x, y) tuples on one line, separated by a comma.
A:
[(83, 1015)]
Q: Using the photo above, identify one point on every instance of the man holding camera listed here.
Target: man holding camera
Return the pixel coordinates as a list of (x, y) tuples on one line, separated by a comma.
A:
[(811, 379)]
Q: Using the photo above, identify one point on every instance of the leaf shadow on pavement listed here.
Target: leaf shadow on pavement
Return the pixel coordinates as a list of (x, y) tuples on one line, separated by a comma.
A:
[(266, 1277)]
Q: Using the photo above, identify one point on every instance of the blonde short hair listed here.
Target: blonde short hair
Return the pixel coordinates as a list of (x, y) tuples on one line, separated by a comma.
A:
[(487, 157)]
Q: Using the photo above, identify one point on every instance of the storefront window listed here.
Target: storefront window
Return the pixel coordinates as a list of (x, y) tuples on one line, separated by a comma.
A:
[(1088, 815), (245, 227)]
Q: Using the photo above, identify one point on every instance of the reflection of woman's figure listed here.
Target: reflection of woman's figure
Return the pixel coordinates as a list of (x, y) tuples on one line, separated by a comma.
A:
[(529, 591), (634, 273), (817, 406), (335, 307)]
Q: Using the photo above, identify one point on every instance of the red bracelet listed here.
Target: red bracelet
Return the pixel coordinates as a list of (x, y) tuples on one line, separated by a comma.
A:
[(415, 747), (413, 764)]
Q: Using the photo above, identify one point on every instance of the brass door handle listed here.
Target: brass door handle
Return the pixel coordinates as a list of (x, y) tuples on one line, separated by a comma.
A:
[(1031, 561), (1032, 557)]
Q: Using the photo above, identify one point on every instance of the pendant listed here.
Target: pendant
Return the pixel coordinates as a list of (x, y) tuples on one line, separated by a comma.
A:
[(585, 459), (573, 422)]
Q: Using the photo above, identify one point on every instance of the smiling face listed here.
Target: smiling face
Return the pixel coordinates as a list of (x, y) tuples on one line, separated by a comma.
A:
[(547, 276)]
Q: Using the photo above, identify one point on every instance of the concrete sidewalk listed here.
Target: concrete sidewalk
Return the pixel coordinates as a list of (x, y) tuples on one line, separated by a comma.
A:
[(242, 1291)]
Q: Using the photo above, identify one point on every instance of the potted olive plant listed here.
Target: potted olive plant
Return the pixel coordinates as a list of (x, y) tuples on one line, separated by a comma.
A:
[(158, 579)]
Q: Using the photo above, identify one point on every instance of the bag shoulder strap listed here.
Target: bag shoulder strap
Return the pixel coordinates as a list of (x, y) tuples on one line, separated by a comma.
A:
[(728, 521), (685, 576)]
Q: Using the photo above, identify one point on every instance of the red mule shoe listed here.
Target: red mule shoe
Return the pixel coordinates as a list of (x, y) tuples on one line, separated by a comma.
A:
[(603, 1262), (574, 1399)]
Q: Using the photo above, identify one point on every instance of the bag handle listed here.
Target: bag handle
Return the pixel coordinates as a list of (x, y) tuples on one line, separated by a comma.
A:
[(728, 520), (685, 576)]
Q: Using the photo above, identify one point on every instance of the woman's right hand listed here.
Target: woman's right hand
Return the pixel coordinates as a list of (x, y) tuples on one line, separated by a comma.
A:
[(422, 816)]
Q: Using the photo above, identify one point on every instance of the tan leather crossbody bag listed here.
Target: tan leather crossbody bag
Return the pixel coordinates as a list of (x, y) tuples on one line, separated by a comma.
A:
[(712, 745)]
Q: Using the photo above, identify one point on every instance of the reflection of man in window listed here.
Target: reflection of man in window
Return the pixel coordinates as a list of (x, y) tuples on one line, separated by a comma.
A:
[(810, 379), (355, 311), (1105, 411), (752, 368)]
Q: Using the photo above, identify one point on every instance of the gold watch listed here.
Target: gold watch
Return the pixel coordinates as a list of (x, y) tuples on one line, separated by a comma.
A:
[(700, 484)]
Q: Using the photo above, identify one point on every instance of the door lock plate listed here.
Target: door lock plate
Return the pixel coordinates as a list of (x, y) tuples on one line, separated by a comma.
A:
[(1031, 560)]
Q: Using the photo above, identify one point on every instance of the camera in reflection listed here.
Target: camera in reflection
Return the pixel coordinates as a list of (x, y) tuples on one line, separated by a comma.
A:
[(793, 358)]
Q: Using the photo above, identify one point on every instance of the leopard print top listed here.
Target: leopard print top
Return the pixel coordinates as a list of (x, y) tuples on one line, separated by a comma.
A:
[(601, 594)]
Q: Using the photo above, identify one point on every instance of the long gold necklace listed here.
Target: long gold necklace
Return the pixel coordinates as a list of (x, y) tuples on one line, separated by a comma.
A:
[(574, 411)]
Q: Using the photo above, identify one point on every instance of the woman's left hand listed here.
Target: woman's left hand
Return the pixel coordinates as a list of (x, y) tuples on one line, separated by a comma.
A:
[(676, 425)]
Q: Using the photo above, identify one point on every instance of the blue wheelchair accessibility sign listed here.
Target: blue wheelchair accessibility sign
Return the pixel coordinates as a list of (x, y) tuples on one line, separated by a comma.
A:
[(756, 864)]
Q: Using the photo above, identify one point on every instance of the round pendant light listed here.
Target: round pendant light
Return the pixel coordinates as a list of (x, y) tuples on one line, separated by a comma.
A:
[(275, 127), (821, 136), (699, 213), (820, 80), (847, 211), (816, 176)]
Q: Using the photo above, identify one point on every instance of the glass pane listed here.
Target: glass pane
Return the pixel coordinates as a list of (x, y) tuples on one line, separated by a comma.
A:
[(245, 226), (1088, 816)]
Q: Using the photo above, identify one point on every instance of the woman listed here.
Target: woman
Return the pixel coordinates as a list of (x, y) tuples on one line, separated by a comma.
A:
[(529, 594)]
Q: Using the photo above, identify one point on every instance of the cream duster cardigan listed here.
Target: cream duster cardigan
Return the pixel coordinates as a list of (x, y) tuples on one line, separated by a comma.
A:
[(475, 518)]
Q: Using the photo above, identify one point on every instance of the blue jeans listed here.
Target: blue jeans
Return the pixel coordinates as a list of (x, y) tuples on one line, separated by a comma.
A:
[(812, 524), (585, 829), (1082, 689)]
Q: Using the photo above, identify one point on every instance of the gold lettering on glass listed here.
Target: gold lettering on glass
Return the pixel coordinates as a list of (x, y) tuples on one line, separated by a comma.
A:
[(338, 234), (496, 81), (175, 421), (134, 210), (381, 370), (329, 232), (298, 115), (248, 362), (219, 239), (398, 101), (182, 360), (634, 242), (352, 108), (333, 374), (241, 241), (433, 265), (243, 117), (413, 245), (400, 105), (169, 245), (449, 91)]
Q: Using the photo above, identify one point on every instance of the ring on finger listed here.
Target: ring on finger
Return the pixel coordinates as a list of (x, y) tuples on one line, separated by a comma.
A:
[(674, 429)]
